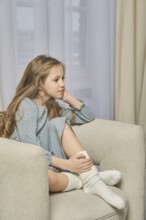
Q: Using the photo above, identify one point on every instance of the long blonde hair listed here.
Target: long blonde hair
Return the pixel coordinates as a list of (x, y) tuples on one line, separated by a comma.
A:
[(38, 69)]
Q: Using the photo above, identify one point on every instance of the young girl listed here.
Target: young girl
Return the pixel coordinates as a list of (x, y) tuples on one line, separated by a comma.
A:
[(34, 116)]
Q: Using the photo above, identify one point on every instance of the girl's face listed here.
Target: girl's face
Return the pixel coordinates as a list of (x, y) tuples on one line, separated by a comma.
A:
[(53, 87)]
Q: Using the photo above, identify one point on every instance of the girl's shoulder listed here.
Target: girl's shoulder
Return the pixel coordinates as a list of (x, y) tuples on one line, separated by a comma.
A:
[(30, 106), (27, 104)]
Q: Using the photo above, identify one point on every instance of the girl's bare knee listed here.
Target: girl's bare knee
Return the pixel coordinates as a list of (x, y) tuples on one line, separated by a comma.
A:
[(52, 179), (57, 181)]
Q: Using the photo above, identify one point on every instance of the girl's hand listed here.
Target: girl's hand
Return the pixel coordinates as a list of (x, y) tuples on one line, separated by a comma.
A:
[(65, 95), (79, 164), (72, 101)]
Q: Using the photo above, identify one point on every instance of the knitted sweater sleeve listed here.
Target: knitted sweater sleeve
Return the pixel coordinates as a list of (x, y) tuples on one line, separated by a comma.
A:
[(78, 116)]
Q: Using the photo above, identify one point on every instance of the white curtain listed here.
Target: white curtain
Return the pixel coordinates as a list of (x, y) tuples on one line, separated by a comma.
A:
[(78, 32)]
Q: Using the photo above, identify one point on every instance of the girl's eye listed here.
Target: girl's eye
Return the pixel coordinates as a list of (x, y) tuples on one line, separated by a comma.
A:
[(57, 79)]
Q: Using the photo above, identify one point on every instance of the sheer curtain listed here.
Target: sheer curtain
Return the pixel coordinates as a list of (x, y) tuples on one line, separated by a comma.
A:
[(78, 32)]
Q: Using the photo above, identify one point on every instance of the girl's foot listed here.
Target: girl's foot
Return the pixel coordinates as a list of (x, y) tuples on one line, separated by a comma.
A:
[(110, 177)]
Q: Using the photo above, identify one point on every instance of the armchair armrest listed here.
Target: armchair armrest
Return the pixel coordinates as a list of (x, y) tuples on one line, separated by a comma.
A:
[(23, 181), (120, 146)]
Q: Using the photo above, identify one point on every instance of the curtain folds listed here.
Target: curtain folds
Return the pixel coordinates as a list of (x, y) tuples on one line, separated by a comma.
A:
[(130, 62), (80, 33), (7, 51), (0, 104)]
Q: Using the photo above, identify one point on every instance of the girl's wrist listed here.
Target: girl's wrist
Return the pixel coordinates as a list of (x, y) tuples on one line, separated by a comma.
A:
[(73, 102), (67, 98), (65, 165), (59, 163)]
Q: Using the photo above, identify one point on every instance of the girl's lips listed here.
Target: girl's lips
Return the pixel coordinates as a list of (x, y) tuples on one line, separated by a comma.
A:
[(61, 91)]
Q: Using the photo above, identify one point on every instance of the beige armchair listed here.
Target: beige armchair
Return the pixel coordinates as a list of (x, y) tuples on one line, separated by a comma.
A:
[(24, 182)]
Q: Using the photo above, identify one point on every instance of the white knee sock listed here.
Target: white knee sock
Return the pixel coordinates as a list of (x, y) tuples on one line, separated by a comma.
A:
[(74, 182), (93, 184), (110, 177)]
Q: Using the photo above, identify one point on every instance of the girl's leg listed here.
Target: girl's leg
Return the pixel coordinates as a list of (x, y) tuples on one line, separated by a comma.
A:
[(70, 143), (57, 181), (92, 183), (110, 177), (63, 181)]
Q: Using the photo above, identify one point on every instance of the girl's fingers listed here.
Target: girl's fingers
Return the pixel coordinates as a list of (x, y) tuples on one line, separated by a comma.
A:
[(80, 156)]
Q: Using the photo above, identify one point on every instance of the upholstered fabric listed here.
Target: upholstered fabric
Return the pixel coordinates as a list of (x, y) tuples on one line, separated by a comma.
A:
[(121, 146), (77, 205), (112, 145), (23, 182)]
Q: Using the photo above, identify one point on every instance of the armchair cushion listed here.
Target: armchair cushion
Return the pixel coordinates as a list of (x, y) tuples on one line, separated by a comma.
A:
[(112, 145), (23, 181), (120, 146), (77, 205)]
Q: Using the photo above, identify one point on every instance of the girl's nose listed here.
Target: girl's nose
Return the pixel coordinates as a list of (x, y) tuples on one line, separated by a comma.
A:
[(61, 83)]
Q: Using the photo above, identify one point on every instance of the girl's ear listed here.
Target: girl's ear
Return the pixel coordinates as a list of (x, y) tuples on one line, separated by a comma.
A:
[(40, 85), (41, 90)]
